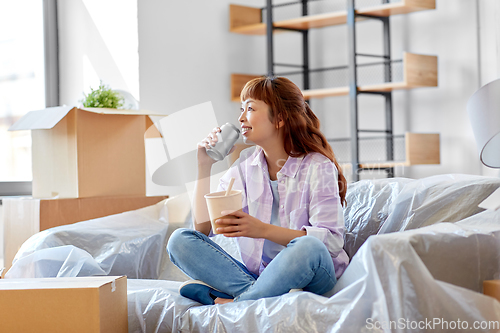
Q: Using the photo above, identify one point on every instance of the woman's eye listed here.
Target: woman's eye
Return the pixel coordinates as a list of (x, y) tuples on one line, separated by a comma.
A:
[(250, 108)]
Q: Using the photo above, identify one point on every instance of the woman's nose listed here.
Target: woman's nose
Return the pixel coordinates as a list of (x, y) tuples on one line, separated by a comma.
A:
[(242, 116)]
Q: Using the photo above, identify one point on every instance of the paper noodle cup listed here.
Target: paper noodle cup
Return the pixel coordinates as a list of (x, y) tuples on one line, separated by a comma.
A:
[(218, 202)]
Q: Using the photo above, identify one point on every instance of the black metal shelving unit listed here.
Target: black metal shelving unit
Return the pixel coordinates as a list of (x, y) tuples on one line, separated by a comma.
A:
[(379, 77), (352, 69), (305, 70), (354, 93)]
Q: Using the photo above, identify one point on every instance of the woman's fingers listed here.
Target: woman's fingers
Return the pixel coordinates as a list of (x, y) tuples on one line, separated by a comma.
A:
[(212, 139), (229, 229), (227, 221), (237, 213), (233, 231), (228, 224), (225, 225), (204, 144)]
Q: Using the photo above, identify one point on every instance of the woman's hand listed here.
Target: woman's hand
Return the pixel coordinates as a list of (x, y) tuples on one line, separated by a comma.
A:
[(244, 225), (207, 143), (203, 145)]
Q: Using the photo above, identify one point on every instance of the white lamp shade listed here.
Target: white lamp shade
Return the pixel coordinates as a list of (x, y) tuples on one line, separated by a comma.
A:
[(484, 113)]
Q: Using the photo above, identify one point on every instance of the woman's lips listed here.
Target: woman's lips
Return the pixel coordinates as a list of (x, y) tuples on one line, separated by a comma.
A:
[(245, 130)]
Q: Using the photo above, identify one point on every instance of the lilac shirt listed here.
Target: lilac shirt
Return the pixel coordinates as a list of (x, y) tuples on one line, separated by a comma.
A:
[(309, 200)]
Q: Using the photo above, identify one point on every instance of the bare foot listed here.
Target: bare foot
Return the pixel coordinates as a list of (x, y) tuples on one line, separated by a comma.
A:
[(219, 300)]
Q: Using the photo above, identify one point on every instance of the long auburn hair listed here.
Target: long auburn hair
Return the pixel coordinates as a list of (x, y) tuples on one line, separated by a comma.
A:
[(301, 126)]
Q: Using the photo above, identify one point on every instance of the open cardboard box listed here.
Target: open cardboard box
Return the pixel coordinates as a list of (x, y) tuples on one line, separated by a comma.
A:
[(87, 152), (79, 304)]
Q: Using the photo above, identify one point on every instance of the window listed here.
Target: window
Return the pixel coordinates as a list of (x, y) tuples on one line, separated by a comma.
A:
[(22, 83)]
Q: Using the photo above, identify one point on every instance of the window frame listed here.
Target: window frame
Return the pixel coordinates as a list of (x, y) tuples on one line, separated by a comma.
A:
[(51, 60)]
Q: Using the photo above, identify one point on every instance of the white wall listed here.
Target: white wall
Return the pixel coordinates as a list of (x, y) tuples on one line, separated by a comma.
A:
[(450, 33), (186, 55), (97, 41)]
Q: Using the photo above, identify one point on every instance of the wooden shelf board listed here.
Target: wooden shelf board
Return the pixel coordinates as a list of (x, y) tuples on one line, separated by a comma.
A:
[(375, 165), (418, 71), (238, 81), (338, 17), (385, 164), (420, 149), (314, 21), (389, 86), (326, 92), (402, 7), (252, 29), (342, 91), (246, 20)]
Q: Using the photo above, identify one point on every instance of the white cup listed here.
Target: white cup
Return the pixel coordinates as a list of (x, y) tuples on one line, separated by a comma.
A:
[(218, 202)]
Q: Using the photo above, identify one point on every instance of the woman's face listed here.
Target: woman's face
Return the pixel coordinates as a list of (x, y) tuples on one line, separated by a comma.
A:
[(255, 124)]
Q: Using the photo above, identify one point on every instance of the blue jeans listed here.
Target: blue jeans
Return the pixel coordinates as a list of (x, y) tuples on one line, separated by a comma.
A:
[(304, 264)]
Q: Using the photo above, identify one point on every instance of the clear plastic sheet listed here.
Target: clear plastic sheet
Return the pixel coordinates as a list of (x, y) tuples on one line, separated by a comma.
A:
[(61, 261), (131, 243), (419, 280), (396, 282), (155, 305), (369, 203), (449, 198), (388, 205)]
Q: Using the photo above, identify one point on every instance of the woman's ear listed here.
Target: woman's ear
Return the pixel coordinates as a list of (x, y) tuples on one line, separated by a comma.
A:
[(280, 123)]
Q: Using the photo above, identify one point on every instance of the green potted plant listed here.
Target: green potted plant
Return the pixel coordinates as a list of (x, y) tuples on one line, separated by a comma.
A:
[(103, 97)]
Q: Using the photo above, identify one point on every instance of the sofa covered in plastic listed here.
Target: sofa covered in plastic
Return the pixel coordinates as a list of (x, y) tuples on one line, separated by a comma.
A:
[(419, 249)]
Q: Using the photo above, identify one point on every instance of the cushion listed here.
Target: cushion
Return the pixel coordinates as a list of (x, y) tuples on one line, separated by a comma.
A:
[(369, 203), (441, 198)]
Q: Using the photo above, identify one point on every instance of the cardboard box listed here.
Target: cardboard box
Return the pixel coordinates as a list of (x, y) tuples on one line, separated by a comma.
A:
[(89, 152), (24, 217), (81, 304), (492, 288)]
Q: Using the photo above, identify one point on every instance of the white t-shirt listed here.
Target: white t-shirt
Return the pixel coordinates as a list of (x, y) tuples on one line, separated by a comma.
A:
[(271, 249)]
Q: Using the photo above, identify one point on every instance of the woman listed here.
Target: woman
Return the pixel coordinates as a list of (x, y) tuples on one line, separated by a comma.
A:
[(290, 232)]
